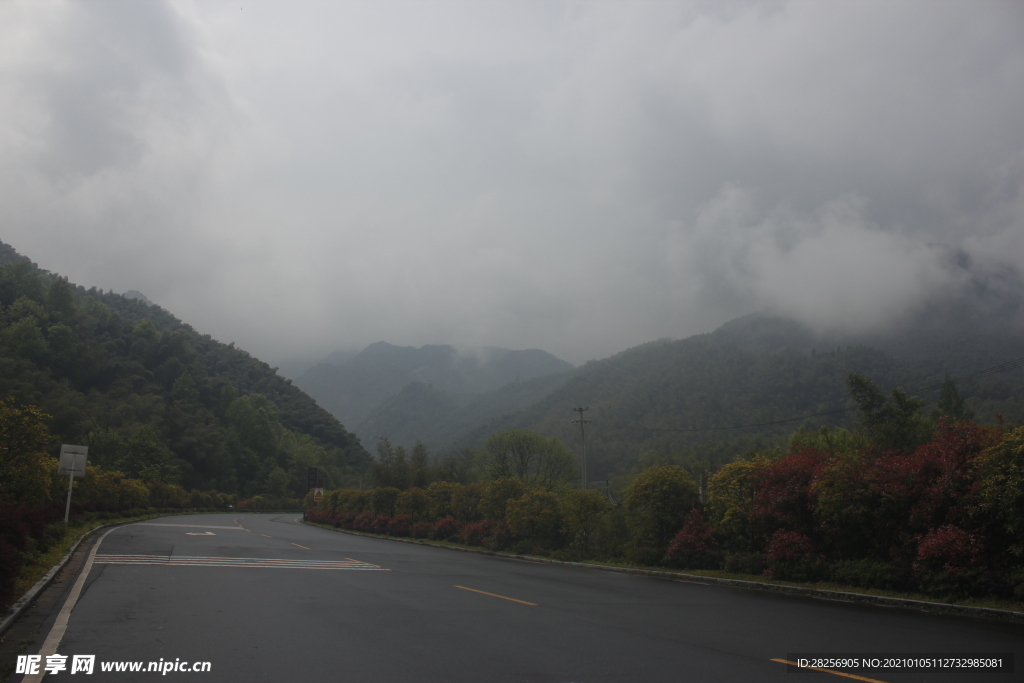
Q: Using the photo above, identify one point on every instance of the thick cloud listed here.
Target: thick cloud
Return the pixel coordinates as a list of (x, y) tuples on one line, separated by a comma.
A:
[(578, 177)]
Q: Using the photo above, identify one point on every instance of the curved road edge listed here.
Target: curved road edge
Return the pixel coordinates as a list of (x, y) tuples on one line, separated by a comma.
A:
[(989, 613), (26, 600)]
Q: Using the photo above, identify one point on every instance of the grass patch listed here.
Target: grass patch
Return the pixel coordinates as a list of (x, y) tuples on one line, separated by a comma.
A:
[(38, 564)]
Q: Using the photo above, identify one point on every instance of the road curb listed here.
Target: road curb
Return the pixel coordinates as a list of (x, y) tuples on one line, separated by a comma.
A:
[(23, 603), (818, 593), (26, 600)]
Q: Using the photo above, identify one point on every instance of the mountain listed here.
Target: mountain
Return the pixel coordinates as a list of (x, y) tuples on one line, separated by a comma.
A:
[(352, 389), (420, 412), (148, 393), (715, 396)]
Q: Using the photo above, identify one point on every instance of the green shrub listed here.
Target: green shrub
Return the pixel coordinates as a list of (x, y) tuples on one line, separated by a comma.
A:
[(866, 574), (657, 502), (744, 563)]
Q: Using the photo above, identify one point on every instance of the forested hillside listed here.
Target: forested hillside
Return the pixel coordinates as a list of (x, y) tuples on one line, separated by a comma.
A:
[(353, 388), (155, 399), (716, 396), (421, 412)]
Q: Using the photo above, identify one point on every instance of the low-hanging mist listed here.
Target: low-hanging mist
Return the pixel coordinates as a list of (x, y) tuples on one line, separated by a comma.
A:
[(577, 177)]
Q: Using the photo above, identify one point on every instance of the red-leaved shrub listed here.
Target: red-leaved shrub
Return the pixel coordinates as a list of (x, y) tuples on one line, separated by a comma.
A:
[(474, 533), (400, 525), (948, 549), (501, 538), (380, 524), (784, 498), (791, 556), (695, 547), (363, 521), (446, 529), (421, 530)]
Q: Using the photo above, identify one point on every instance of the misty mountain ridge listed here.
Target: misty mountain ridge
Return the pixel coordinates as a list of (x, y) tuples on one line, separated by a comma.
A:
[(352, 389), (421, 412), (979, 318), (755, 369)]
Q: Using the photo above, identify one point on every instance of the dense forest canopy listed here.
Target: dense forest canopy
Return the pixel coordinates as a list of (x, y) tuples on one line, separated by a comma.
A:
[(155, 399)]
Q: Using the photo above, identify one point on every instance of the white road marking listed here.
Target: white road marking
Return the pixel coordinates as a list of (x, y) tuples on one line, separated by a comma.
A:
[(190, 526), (60, 625), (254, 562), (200, 533)]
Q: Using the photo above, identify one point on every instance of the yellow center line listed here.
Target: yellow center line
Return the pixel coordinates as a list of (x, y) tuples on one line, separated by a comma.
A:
[(300, 546), (265, 536), (360, 561), (830, 671), (495, 595)]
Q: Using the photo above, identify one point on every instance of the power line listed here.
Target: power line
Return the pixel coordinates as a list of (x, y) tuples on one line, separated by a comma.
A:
[(996, 369)]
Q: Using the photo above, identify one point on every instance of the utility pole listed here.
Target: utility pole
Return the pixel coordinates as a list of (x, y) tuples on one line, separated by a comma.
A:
[(583, 443)]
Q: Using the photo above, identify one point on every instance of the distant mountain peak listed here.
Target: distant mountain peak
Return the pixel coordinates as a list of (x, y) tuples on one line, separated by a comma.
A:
[(381, 370), (139, 296)]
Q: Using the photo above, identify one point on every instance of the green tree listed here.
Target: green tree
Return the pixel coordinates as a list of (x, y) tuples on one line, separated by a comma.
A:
[(110, 490), (893, 423), (145, 329), (384, 500), (414, 502), (185, 390), (847, 508), (657, 502), (460, 467), (278, 482), (951, 403), (1001, 479), (391, 468), (467, 502), (442, 496), (26, 339), (60, 299), (529, 457), (583, 513), (536, 516), (419, 466), (256, 423), (145, 456), (26, 472), (834, 441), (498, 493)]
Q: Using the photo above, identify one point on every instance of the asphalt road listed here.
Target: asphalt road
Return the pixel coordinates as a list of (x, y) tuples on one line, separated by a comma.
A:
[(266, 598)]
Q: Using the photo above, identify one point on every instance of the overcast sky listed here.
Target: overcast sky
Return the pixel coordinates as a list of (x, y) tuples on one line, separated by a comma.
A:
[(574, 176)]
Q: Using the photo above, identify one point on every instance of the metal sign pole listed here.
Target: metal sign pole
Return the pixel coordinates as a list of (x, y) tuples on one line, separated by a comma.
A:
[(69, 464), (67, 507)]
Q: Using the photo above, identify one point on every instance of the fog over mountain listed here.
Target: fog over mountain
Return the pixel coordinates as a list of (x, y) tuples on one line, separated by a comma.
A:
[(350, 389), (579, 177)]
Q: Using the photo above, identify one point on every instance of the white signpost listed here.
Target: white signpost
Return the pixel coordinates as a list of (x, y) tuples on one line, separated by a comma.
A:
[(72, 462)]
